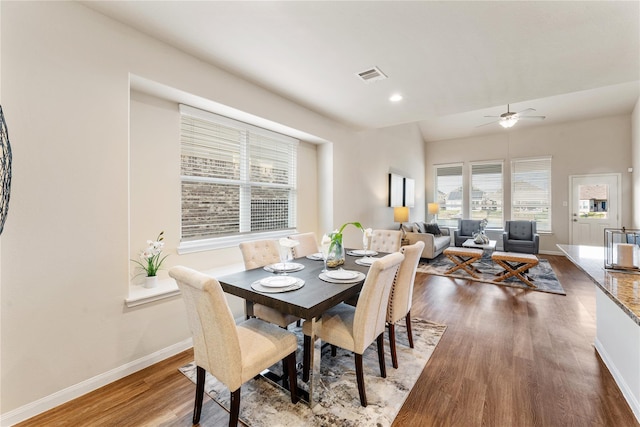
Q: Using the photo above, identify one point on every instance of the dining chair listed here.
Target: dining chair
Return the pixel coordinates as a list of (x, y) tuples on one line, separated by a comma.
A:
[(256, 254), (401, 296), (234, 354), (355, 328), (308, 244), (386, 240)]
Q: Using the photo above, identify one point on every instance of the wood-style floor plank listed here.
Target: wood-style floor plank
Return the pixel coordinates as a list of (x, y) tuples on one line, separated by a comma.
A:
[(509, 357)]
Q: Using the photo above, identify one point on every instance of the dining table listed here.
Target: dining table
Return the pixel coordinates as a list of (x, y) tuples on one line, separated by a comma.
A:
[(308, 302)]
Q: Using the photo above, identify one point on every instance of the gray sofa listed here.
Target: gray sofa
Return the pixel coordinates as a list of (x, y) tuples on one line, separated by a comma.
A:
[(433, 244)]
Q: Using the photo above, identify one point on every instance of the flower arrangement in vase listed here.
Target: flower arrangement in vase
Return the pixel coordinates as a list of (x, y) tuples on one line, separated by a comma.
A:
[(151, 260), (335, 256)]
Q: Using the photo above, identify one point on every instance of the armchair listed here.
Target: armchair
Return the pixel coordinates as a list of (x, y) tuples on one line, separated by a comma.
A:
[(521, 236), (466, 229)]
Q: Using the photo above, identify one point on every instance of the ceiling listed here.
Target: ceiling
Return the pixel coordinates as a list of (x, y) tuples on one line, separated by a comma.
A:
[(453, 62)]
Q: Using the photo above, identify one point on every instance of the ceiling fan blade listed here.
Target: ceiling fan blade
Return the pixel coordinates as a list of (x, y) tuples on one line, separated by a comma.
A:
[(486, 124), (525, 112), (496, 117), (533, 117)]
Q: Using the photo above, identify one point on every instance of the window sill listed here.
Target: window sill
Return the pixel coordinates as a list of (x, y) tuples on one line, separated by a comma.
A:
[(229, 241), (167, 288)]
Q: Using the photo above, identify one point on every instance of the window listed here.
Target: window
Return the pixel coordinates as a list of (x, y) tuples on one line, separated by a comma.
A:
[(531, 191), (236, 178), (449, 194), (486, 193)]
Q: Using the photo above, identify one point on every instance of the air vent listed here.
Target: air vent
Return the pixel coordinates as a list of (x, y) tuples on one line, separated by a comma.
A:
[(371, 75)]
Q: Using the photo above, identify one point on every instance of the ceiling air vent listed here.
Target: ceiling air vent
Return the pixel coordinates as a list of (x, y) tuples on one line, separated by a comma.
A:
[(371, 75)]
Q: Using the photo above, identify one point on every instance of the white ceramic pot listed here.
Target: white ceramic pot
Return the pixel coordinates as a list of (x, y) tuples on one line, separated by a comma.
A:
[(151, 281)]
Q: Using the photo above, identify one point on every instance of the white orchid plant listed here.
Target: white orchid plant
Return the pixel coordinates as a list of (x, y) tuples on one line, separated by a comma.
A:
[(150, 257)]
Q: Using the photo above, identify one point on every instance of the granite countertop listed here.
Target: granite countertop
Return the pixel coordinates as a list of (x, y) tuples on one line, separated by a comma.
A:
[(622, 287)]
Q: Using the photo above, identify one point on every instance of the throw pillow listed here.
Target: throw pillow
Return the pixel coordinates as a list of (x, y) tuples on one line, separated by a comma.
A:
[(422, 227), (433, 229), (415, 227)]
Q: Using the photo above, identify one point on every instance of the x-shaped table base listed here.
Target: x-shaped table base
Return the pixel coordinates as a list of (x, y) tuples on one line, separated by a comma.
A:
[(463, 258), (515, 265)]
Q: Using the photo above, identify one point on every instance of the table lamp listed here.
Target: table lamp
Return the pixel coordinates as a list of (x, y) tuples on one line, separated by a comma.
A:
[(401, 214), (433, 209)]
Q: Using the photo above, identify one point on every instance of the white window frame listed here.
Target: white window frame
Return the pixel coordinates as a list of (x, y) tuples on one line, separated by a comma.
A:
[(514, 170), (462, 198), (500, 225), (188, 246)]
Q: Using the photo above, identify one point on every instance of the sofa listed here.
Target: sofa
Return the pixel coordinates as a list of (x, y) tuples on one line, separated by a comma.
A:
[(436, 239)]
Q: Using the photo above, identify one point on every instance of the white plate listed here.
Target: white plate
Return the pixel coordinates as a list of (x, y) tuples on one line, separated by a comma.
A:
[(278, 281), (281, 266), (366, 261), (342, 274), (361, 252), (316, 256)]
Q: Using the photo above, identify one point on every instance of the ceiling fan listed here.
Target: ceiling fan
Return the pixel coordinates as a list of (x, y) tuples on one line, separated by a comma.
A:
[(510, 118)]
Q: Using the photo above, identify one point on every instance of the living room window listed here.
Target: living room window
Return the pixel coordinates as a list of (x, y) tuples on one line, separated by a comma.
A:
[(531, 191), (237, 179), (449, 194), (487, 193)]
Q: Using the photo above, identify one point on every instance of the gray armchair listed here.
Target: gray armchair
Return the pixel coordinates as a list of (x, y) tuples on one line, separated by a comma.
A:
[(521, 236), (466, 229)]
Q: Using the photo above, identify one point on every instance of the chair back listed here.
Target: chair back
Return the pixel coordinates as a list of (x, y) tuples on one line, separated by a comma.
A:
[(308, 244), (216, 345), (467, 227), (386, 240), (259, 253), (371, 309), (520, 230), (401, 295)]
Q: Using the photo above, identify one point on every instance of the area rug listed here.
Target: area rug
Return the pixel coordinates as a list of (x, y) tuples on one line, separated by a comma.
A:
[(264, 405), (543, 275)]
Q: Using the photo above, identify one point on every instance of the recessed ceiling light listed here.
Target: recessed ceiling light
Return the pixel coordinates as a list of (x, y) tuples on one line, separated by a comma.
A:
[(395, 97)]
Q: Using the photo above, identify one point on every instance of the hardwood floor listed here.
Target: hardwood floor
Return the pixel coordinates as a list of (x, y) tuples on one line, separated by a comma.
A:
[(509, 357)]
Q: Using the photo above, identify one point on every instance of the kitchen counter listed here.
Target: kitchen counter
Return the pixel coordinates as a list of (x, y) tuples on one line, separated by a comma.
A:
[(617, 319)]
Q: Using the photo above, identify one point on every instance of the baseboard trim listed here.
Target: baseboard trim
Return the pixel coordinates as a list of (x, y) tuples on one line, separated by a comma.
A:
[(622, 384), (58, 398)]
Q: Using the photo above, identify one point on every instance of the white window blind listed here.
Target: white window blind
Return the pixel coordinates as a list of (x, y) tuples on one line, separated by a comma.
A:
[(449, 194), (487, 193), (531, 191), (236, 178)]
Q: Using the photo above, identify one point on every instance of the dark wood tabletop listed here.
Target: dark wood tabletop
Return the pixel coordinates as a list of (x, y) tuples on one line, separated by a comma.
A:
[(313, 299)]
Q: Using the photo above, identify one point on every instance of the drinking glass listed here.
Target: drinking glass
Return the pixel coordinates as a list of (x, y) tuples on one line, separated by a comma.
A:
[(366, 243), (324, 248), (285, 252)]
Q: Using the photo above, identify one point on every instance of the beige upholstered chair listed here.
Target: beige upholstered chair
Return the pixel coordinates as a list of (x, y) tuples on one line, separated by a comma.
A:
[(386, 240), (233, 353), (256, 254), (355, 328), (308, 244), (401, 295)]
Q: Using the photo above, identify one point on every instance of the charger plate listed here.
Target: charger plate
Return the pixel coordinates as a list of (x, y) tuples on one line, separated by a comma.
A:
[(257, 286), (359, 276)]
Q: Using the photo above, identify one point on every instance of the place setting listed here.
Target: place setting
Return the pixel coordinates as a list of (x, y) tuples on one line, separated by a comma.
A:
[(366, 254), (341, 276), (277, 284), (284, 266)]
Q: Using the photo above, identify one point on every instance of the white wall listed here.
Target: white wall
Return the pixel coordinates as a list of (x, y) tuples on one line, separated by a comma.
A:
[(66, 244), (584, 147)]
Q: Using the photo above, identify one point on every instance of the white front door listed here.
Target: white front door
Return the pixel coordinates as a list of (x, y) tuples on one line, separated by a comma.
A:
[(595, 205)]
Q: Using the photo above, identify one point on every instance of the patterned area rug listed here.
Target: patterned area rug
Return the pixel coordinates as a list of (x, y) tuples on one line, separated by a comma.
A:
[(542, 274), (263, 404)]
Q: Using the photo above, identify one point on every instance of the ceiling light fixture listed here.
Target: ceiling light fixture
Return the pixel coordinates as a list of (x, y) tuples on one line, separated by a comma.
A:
[(395, 97), (509, 121)]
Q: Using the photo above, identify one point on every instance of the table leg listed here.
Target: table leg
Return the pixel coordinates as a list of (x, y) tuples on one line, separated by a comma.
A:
[(315, 351)]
